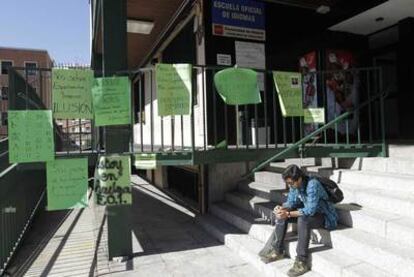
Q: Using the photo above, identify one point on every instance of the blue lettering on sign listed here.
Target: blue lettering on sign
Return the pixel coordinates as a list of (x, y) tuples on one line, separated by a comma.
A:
[(239, 13)]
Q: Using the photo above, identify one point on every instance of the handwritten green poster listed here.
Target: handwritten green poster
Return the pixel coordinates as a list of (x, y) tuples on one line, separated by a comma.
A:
[(112, 101), (146, 161), (72, 96), (289, 89), (31, 136), (237, 86), (314, 115), (174, 89), (113, 180), (67, 184)]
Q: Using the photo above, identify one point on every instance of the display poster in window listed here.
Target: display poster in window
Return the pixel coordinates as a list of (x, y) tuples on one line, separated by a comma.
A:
[(174, 89), (307, 65), (237, 86), (289, 90), (341, 88), (243, 19), (113, 180), (67, 184), (30, 136), (72, 93), (112, 101)]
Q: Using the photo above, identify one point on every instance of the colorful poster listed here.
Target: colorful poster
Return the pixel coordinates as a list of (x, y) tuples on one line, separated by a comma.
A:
[(314, 115), (112, 101), (341, 87), (67, 184), (146, 161), (174, 89), (289, 89), (31, 136), (72, 96), (113, 180), (243, 19), (310, 85), (237, 86)]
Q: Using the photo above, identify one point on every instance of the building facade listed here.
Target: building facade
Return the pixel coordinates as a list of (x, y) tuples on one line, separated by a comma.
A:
[(21, 59)]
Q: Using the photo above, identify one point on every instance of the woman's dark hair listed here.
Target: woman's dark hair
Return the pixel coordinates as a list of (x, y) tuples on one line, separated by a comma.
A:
[(293, 172)]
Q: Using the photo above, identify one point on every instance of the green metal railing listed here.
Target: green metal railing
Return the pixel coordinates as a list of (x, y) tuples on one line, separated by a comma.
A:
[(252, 132), (301, 144)]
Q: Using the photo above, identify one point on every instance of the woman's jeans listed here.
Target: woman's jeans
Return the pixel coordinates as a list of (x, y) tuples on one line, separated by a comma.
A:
[(305, 225)]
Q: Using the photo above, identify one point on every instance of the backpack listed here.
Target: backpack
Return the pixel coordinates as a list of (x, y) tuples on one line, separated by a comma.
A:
[(335, 194)]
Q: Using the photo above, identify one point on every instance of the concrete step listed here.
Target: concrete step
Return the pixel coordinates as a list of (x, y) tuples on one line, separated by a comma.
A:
[(401, 151), (270, 178), (373, 179), (246, 247), (334, 262), (372, 249), (266, 191), (325, 262), (404, 166), (391, 226), (260, 229), (255, 205), (387, 225), (389, 202)]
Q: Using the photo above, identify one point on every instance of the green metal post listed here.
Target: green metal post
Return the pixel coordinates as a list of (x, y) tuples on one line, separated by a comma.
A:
[(117, 139)]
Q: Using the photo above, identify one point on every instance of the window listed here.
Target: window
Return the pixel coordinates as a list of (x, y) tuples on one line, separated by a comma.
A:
[(4, 118), (5, 67), (4, 91), (31, 68)]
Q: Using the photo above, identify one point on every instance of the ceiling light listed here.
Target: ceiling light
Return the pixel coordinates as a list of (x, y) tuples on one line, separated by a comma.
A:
[(139, 26), (323, 9)]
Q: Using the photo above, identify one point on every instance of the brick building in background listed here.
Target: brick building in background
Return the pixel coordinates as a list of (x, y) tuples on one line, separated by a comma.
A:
[(23, 58)]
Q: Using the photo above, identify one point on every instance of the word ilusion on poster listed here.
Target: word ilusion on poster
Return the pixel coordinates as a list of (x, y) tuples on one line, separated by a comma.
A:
[(30, 136), (72, 93), (289, 89), (239, 18), (67, 184), (174, 89), (113, 180), (112, 101)]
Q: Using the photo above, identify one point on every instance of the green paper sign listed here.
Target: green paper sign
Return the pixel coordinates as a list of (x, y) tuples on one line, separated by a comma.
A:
[(113, 180), (67, 184), (146, 161), (112, 101), (174, 89), (72, 97), (30, 136), (314, 115), (237, 86), (289, 89)]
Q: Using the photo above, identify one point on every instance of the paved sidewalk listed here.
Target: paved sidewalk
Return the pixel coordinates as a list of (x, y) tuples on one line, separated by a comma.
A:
[(167, 242)]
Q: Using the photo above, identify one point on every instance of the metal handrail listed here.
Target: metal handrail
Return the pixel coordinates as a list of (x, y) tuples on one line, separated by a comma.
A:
[(314, 133)]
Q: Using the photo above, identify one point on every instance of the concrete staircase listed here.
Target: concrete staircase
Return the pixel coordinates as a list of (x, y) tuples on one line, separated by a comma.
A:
[(376, 233)]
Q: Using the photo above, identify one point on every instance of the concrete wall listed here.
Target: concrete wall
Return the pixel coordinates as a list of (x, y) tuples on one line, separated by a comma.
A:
[(223, 178)]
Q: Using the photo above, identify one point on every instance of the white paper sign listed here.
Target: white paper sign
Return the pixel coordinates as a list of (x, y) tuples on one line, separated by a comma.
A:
[(223, 59), (250, 55)]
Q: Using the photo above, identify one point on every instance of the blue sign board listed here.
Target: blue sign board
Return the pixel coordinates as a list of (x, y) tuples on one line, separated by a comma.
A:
[(239, 18)]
